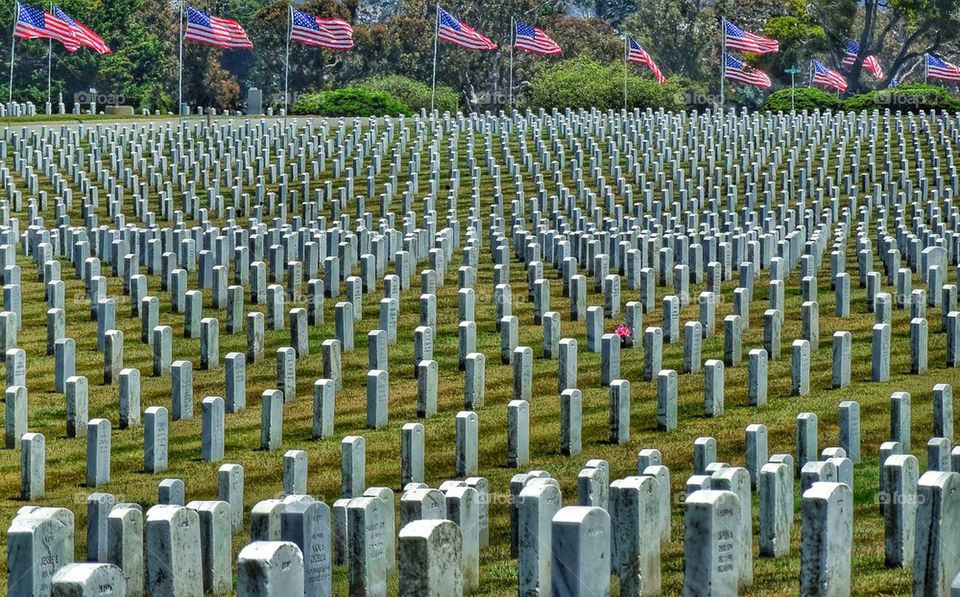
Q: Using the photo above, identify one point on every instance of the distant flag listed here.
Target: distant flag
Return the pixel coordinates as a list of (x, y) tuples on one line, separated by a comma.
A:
[(870, 62), (329, 33), (33, 23), (738, 72), (873, 65), (637, 55), (938, 68), (827, 77), (455, 32), (534, 40), (207, 29), (84, 36), (744, 41)]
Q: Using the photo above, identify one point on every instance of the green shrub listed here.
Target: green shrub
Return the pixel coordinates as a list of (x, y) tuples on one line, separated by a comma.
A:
[(915, 97), (349, 101), (694, 94), (806, 98), (413, 93), (584, 83)]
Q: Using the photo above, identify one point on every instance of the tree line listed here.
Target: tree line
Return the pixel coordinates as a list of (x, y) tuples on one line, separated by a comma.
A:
[(682, 35)]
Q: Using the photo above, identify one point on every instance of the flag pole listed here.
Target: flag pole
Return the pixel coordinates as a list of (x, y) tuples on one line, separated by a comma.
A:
[(50, 68), (13, 47), (723, 59), (513, 32), (180, 68), (286, 62), (436, 37), (926, 67), (626, 44)]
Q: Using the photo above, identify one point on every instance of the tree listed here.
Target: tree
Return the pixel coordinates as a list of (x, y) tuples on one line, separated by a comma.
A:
[(898, 30), (142, 67), (311, 67), (584, 83), (800, 37), (615, 11), (682, 35)]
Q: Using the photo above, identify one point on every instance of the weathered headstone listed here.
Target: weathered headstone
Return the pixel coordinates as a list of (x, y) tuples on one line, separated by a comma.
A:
[(431, 559), (307, 525), (269, 568), (827, 538), (98, 452), (173, 544), (936, 559), (712, 549), (580, 566)]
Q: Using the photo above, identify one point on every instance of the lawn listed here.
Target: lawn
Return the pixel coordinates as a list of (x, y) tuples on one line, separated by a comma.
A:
[(66, 457)]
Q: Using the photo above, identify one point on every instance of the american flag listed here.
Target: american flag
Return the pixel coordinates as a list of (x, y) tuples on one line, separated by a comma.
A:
[(738, 72), (870, 62), (827, 77), (637, 55), (938, 68), (83, 35), (744, 41), (535, 40), (207, 29), (33, 23), (332, 34), (453, 31)]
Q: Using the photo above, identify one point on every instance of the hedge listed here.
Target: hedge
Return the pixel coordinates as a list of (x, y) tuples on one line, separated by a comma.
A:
[(584, 83), (915, 97), (350, 101), (413, 93), (806, 98)]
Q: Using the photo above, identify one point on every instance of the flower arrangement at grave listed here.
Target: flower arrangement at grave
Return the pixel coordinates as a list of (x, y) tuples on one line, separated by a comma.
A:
[(625, 334)]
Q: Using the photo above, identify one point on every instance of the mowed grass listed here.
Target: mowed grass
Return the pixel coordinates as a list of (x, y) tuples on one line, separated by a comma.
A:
[(263, 472)]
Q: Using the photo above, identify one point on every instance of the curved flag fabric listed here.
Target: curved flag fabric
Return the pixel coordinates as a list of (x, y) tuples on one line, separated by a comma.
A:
[(744, 41), (84, 36), (870, 62), (738, 72), (534, 40), (827, 77), (329, 33), (637, 55), (33, 23), (938, 68), (451, 30), (205, 28)]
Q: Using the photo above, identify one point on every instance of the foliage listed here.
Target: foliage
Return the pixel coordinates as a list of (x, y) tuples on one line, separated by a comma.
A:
[(142, 67), (806, 98), (694, 94), (350, 101), (800, 37), (683, 36), (414, 94), (917, 97), (898, 32), (311, 68), (615, 11), (584, 83)]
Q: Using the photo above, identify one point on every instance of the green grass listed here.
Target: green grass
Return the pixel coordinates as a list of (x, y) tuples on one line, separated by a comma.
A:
[(65, 457)]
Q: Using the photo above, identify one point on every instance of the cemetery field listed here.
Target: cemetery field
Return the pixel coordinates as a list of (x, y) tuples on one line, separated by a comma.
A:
[(65, 482)]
